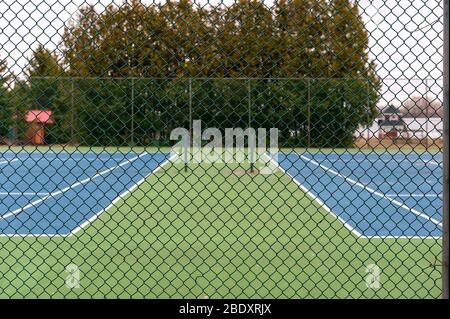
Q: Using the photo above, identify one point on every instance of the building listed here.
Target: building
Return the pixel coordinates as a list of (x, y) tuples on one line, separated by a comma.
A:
[(391, 123), (38, 120)]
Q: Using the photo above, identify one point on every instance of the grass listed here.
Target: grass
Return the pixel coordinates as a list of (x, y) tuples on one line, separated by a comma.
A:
[(211, 233)]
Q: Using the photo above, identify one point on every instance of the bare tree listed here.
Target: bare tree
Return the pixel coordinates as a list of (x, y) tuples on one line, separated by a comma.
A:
[(422, 106)]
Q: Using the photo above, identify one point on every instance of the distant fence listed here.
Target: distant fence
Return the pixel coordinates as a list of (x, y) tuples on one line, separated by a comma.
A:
[(309, 112)]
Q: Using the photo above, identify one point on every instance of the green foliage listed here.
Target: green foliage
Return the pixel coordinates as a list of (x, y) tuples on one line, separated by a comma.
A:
[(41, 90), (308, 40), (43, 63), (5, 105)]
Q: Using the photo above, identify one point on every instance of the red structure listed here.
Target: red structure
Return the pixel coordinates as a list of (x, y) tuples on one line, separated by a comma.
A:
[(38, 120)]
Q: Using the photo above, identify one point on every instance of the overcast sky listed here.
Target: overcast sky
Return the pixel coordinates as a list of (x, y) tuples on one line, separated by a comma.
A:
[(405, 37)]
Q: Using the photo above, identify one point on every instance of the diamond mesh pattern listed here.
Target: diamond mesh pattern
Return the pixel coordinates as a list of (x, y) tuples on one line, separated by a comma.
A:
[(95, 200)]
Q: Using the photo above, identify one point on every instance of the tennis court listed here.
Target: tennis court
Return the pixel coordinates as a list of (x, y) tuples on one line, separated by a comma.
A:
[(374, 195), (165, 221), (58, 193)]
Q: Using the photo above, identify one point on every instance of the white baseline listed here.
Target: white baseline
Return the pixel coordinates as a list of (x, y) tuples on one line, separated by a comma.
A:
[(84, 181), (370, 190)]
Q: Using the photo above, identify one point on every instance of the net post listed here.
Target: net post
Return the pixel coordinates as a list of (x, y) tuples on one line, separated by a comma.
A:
[(249, 98), (190, 124), (446, 188), (72, 106), (427, 113), (367, 144), (15, 131), (309, 113), (132, 111)]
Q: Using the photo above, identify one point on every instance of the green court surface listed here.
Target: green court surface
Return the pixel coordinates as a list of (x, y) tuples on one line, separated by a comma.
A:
[(212, 232)]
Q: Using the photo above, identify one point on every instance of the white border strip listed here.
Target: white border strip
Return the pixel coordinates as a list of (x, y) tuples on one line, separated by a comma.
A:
[(414, 195), (349, 227), (96, 215), (67, 155), (55, 157), (432, 162), (8, 161), (22, 194)]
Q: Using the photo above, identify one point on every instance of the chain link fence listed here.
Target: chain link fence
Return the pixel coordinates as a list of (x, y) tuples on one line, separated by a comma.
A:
[(222, 149)]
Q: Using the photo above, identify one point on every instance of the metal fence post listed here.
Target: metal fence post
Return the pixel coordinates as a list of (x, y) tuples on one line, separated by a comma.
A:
[(367, 144), (132, 112), (427, 113), (186, 152), (72, 106), (15, 131), (446, 188), (249, 92), (309, 113)]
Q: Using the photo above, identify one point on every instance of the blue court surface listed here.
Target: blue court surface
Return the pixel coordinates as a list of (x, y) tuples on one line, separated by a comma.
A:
[(58, 193), (374, 194)]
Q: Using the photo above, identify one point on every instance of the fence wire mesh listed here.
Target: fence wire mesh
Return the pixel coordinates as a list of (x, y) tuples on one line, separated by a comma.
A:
[(221, 149)]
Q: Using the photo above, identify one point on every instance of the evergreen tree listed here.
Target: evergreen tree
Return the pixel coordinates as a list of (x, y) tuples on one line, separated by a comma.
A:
[(47, 89), (79, 44), (322, 44), (244, 37), (5, 105), (42, 72)]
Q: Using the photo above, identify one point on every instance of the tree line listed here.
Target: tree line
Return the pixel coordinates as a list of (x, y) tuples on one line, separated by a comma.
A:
[(133, 72)]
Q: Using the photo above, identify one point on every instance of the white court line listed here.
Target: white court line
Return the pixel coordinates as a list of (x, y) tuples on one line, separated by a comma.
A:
[(122, 195), (38, 201), (426, 162), (317, 199), (403, 159), (347, 161), (387, 161), (22, 194), (65, 159), (75, 155), (346, 225), (95, 216), (414, 195), (8, 161), (393, 201), (432, 162)]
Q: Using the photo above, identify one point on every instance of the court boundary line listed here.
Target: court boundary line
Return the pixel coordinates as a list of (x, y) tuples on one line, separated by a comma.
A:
[(413, 195), (23, 194), (370, 190), (8, 161), (118, 198), (346, 225), (65, 189), (53, 156), (133, 187), (423, 162), (315, 198), (96, 215)]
